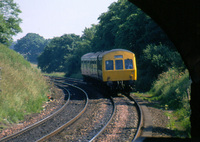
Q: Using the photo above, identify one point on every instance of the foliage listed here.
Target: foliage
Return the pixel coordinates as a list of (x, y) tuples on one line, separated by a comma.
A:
[(173, 89), (122, 26), (57, 74), (55, 53), (73, 61), (155, 60), (23, 89), (31, 46), (126, 26), (63, 54), (9, 21)]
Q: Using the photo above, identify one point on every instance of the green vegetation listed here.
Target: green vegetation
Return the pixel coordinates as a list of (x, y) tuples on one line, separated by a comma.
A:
[(23, 89), (57, 74), (9, 21), (122, 26), (161, 71), (171, 91), (63, 54), (31, 46), (172, 88)]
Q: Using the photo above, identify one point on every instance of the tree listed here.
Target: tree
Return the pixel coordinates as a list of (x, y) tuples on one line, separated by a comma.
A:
[(31, 46), (9, 21), (56, 52), (156, 59)]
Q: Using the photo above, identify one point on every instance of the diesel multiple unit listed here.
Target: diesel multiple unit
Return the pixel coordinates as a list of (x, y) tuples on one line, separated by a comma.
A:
[(115, 68)]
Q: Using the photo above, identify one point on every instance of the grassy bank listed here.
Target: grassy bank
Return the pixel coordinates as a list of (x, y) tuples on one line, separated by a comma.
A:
[(23, 89), (172, 91)]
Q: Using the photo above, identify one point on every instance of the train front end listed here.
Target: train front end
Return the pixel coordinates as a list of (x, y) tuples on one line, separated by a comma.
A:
[(119, 70)]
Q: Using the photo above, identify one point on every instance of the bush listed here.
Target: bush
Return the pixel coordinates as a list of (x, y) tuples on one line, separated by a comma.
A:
[(155, 60), (172, 88)]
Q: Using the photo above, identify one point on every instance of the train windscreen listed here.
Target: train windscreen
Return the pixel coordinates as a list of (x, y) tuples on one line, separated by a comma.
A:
[(128, 64)]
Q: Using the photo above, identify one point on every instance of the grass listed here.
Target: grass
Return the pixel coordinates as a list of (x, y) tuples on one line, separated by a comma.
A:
[(23, 88), (58, 74), (62, 74), (172, 91)]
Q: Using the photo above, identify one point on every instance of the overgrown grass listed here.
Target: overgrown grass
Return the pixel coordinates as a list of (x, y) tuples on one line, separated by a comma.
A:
[(23, 88), (58, 74), (173, 89), (62, 74)]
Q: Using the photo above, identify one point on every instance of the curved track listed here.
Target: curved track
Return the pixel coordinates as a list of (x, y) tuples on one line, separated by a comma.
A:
[(54, 122), (132, 105), (73, 122), (98, 124)]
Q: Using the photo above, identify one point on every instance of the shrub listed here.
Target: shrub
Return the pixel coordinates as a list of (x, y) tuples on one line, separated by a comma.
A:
[(173, 89)]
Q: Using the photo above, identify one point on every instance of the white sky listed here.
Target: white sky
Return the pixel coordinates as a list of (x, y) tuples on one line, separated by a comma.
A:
[(53, 18)]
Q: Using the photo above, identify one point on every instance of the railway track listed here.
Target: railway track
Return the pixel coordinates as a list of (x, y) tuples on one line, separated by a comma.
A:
[(104, 131), (96, 123), (91, 131), (55, 122)]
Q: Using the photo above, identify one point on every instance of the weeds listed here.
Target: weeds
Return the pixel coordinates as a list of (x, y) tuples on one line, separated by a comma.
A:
[(173, 89), (23, 88)]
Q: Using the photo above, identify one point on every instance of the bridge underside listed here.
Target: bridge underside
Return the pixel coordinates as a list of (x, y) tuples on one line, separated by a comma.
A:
[(180, 19)]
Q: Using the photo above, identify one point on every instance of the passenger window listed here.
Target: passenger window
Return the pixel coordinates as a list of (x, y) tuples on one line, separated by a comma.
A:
[(109, 65), (118, 64), (129, 64)]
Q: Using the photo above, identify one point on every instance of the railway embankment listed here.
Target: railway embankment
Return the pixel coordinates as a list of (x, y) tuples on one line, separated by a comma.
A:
[(158, 120), (23, 89)]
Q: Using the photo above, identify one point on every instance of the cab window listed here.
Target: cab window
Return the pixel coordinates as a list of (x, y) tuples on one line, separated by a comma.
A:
[(109, 65), (128, 64), (118, 64)]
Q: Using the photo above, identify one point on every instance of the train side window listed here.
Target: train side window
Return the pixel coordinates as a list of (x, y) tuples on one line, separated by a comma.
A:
[(128, 64), (109, 65), (118, 64)]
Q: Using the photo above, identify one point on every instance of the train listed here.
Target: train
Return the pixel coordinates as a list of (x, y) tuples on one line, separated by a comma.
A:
[(114, 69)]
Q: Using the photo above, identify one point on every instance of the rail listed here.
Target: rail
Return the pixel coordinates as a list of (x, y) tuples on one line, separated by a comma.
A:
[(72, 120), (7, 138), (141, 119), (112, 115)]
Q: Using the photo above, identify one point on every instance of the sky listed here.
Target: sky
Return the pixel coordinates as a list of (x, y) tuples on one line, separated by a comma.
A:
[(53, 18)]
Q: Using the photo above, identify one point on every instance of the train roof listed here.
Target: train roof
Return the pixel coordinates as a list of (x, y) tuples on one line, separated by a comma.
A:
[(113, 50), (93, 55), (88, 55)]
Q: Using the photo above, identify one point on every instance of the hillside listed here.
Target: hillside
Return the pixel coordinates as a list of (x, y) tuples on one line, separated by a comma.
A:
[(23, 89)]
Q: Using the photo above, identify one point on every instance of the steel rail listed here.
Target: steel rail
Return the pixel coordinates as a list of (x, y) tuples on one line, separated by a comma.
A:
[(37, 123), (66, 78), (69, 122), (140, 121), (111, 117)]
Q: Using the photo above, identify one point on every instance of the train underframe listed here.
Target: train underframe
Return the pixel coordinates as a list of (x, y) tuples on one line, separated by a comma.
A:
[(124, 87), (113, 87)]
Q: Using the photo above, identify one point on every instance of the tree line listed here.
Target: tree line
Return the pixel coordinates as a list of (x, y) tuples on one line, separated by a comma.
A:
[(161, 71), (122, 26)]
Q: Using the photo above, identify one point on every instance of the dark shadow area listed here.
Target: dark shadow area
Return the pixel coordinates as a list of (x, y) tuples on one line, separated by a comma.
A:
[(166, 140), (180, 19)]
